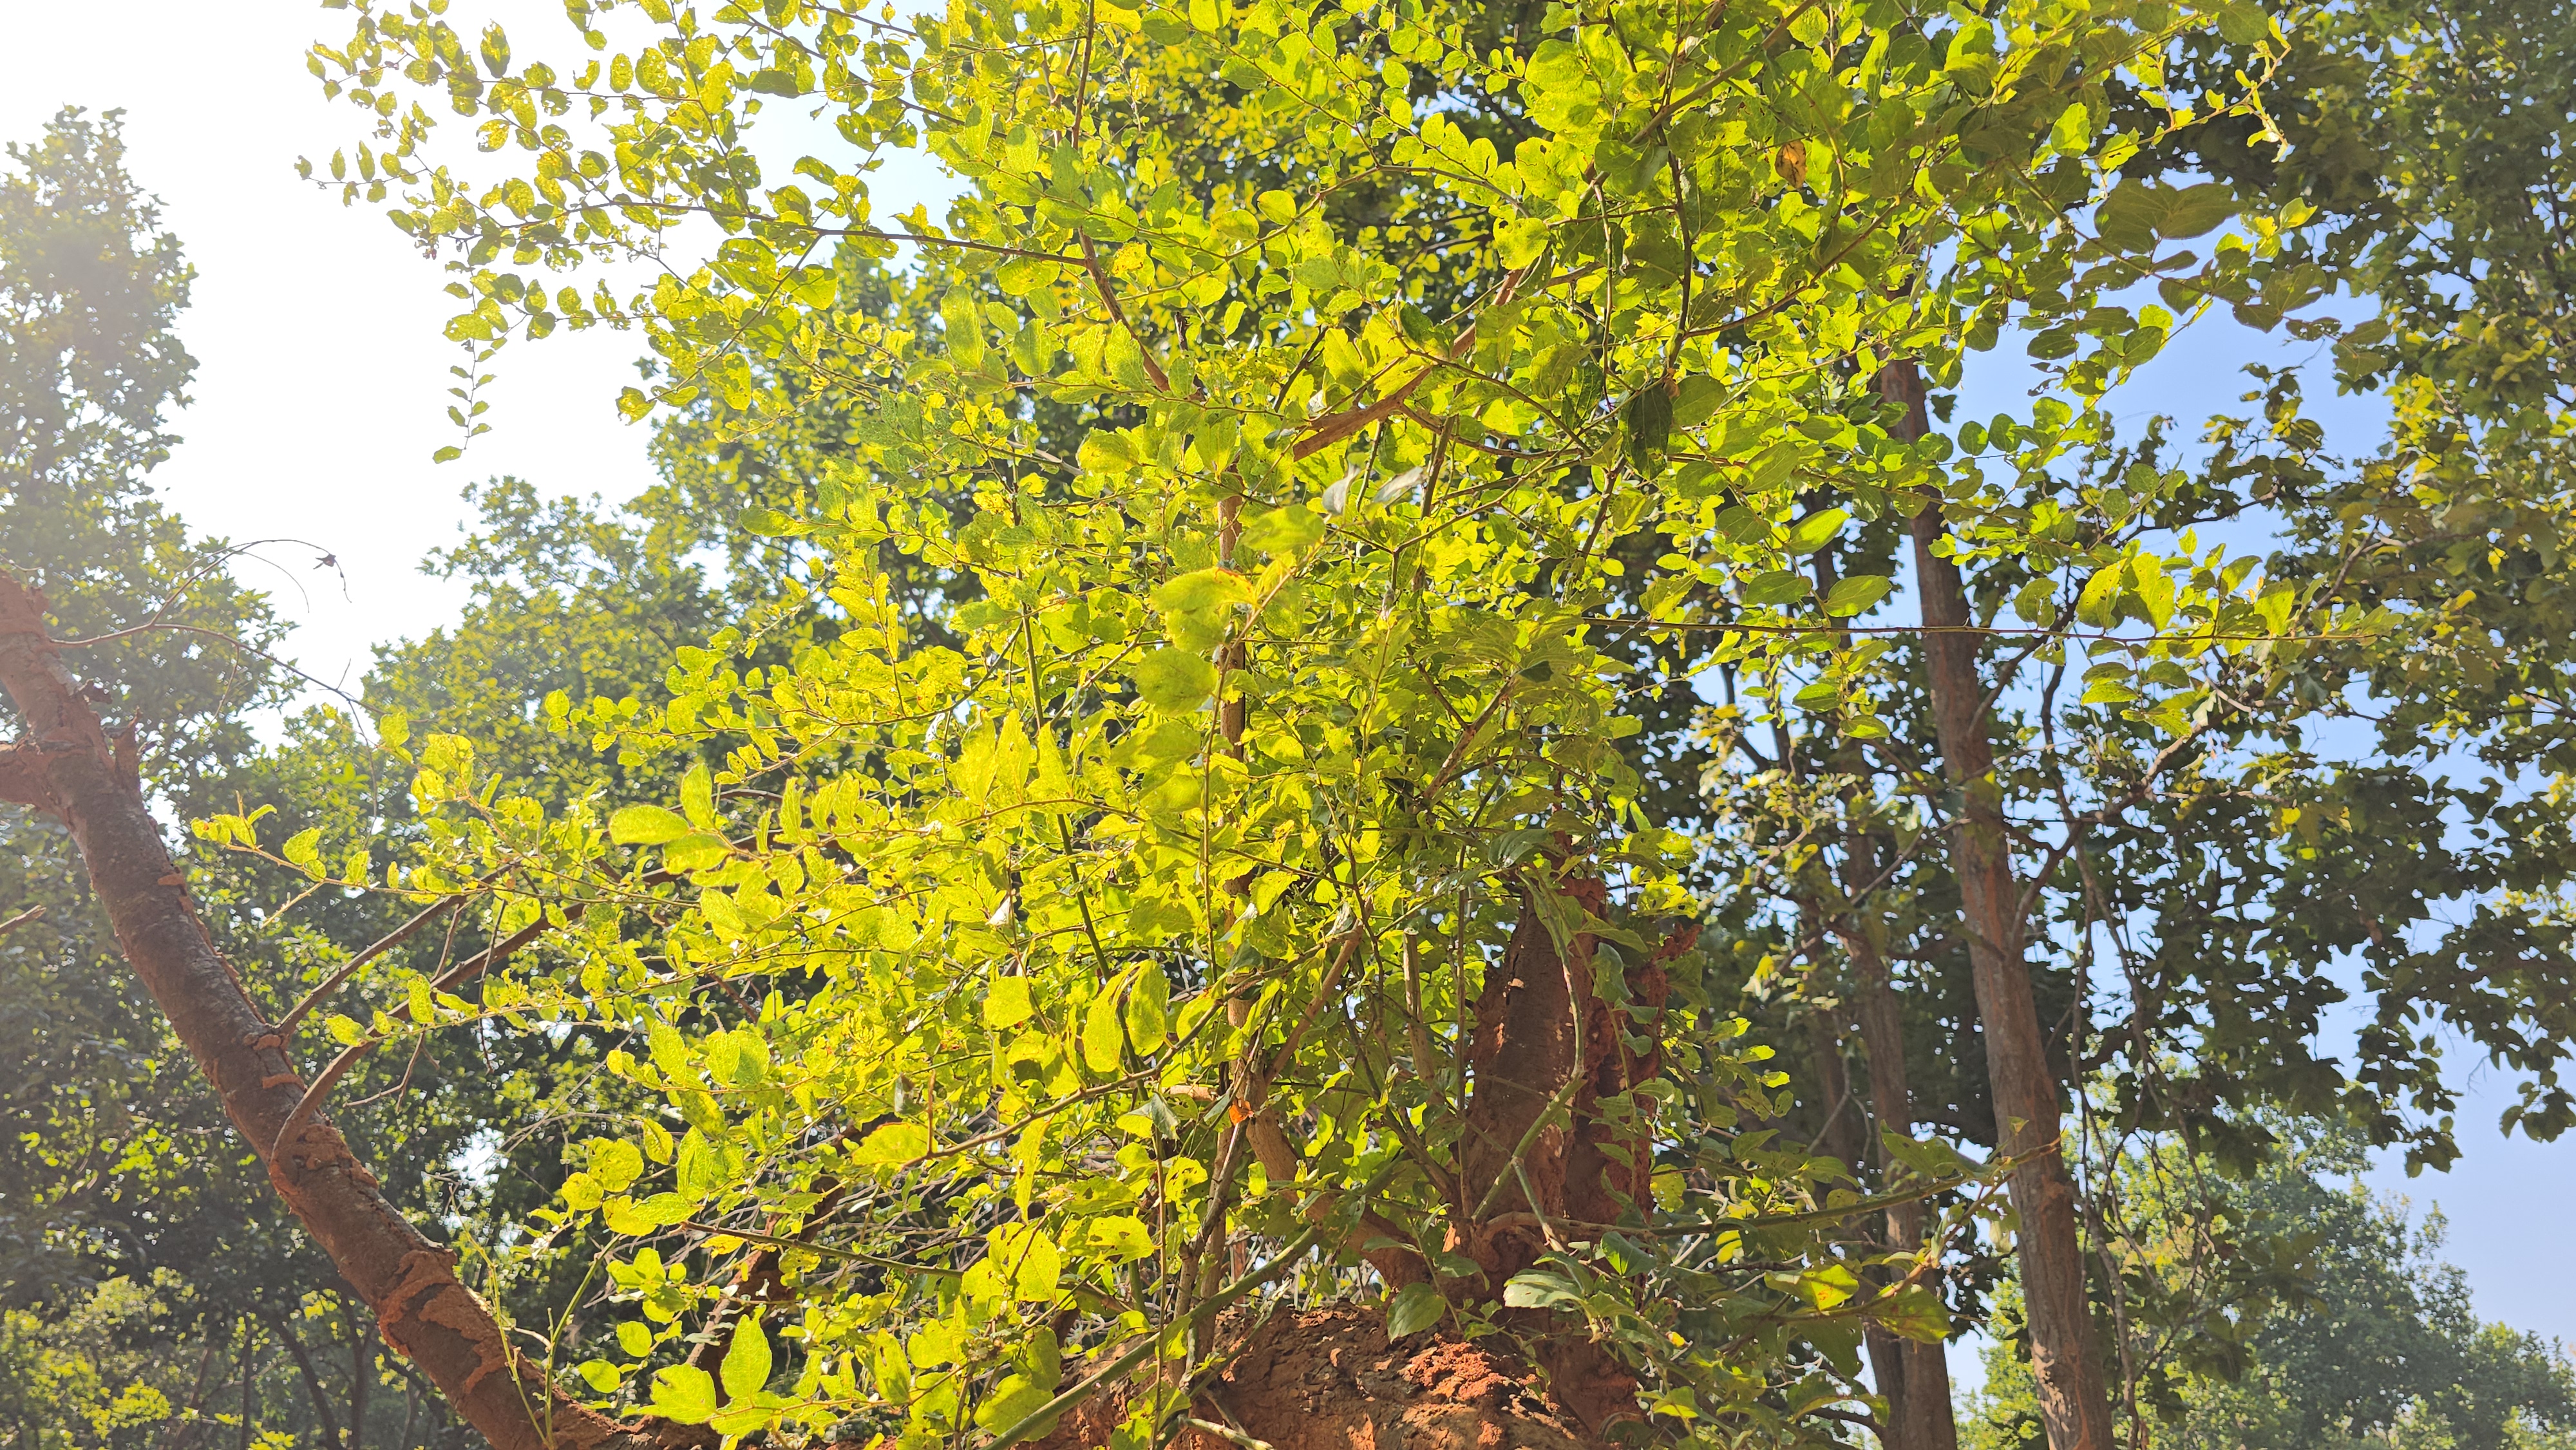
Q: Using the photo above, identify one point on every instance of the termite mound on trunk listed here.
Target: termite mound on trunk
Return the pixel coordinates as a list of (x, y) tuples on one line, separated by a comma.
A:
[(1327, 1379)]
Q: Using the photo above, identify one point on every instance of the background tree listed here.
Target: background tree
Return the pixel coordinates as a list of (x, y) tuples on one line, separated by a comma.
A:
[(2378, 1344)]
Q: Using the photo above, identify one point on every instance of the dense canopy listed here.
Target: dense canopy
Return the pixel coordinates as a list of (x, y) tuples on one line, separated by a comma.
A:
[(1365, 753)]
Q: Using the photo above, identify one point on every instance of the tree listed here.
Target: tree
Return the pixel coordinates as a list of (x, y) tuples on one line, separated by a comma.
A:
[(2377, 1344), (2300, 806), (1394, 746), (155, 1289), (103, 1196)]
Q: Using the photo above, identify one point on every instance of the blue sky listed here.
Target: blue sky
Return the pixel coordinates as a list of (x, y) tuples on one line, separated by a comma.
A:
[(319, 401)]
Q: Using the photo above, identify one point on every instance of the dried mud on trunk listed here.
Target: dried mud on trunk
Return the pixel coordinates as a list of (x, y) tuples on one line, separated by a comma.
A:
[(1326, 1379)]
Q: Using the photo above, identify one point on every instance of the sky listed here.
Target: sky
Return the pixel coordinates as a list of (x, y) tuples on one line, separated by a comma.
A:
[(320, 398)]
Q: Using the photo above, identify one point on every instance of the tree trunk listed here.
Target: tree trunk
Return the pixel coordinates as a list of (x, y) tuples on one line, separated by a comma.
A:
[(1544, 1038), (250, 1340), (321, 1397), (182, 1428), (67, 767), (1918, 1386), (1913, 1377), (1553, 1131), (2065, 1362), (1840, 1136), (362, 1376)]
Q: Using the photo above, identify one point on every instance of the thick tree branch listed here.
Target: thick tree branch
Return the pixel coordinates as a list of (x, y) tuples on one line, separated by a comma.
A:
[(68, 768)]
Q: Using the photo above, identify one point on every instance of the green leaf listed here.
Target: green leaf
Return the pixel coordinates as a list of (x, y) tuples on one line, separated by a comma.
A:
[(1118, 1237), (1700, 396), (1006, 1002), (600, 1375), (694, 851), (2195, 210), (1816, 530), (2033, 602), (2154, 588), (1032, 1260), (1775, 465), (645, 826), (2242, 22), (635, 1339), (1856, 594), (1148, 1010), (894, 1143), (737, 1420), (1649, 416), (665, 1210), (1914, 1311), (616, 1165), (1283, 530), (1103, 1043), (1015, 1399), (1107, 451), (1520, 241), (1827, 1287), (698, 797), (1775, 586), (1175, 681), (304, 849), (767, 523), (1416, 1308), (2101, 594), (2127, 217), (701, 1167), (1202, 591), (962, 329), (1541, 1289), (746, 1360), (684, 1395)]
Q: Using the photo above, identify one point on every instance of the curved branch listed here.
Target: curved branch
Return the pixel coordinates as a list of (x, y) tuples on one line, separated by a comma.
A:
[(70, 769)]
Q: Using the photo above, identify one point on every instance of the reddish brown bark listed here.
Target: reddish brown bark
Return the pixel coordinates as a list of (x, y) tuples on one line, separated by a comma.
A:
[(2074, 1399), (67, 767), (1327, 1379), (1545, 1037)]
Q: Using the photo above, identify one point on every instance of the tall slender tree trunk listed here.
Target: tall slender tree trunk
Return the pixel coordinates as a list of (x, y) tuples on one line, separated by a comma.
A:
[(2073, 1398), (250, 1339), (1913, 1377), (1841, 1137), (362, 1375), (313, 1388), (1917, 1383)]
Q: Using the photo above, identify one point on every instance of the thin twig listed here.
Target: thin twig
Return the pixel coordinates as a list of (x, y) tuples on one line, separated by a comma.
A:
[(286, 1025)]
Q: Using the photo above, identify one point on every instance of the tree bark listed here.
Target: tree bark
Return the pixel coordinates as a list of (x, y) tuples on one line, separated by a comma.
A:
[(1918, 1385), (67, 767), (2066, 1364), (321, 1397), (250, 1339), (1545, 1039), (362, 1375), (1840, 1137)]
